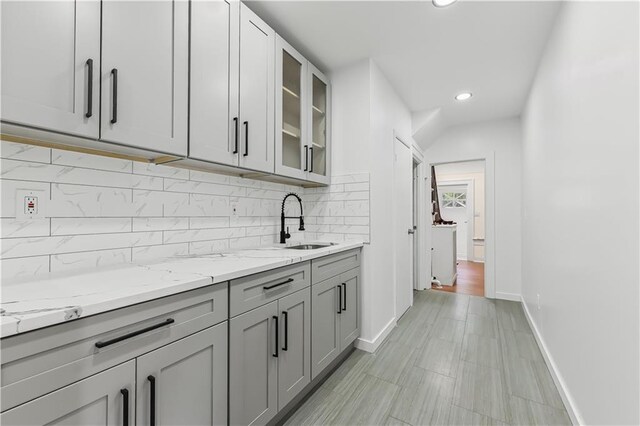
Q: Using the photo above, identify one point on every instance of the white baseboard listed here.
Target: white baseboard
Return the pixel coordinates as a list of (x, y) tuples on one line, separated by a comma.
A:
[(576, 419), (372, 345), (508, 296)]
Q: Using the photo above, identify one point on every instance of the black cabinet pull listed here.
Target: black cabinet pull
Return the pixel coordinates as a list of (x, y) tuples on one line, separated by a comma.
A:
[(306, 158), (275, 317), (114, 110), (102, 344), (246, 139), (235, 121), (89, 112), (285, 314), (344, 298), (269, 287), (339, 299), (125, 406), (311, 161), (152, 400)]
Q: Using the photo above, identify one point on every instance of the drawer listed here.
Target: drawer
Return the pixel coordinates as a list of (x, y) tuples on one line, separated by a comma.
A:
[(329, 266), (44, 360), (256, 290)]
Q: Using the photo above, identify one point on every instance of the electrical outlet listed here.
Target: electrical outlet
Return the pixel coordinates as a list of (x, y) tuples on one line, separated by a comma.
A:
[(538, 301), (31, 204)]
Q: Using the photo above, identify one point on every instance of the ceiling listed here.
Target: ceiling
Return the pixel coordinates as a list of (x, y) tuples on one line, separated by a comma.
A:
[(461, 168), (428, 54)]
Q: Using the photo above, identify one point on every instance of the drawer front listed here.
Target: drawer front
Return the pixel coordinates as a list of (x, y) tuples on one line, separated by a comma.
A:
[(335, 264), (44, 360), (256, 290)]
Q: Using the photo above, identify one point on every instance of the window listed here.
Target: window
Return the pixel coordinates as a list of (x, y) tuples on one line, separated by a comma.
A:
[(452, 199)]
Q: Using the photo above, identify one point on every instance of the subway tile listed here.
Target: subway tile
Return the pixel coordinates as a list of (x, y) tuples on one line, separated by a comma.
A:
[(192, 235), (160, 223), (78, 226), (89, 201), (244, 242), (208, 222), (150, 169), (24, 267), (19, 151), (37, 246), (206, 247), (209, 205), (157, 252), (361, 186), (89, 259), (88, 161), (194, 187), (12, 228), (356, 220)]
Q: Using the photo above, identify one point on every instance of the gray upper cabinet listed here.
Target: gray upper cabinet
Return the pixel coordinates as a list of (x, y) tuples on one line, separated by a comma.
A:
[(185, 382), (291, 143), (294, 357), (349, 322), (257, 51), (145, 60), (51, 65), (213, 114), (325, 324), (253, 366), (319, 130), (105, 399)]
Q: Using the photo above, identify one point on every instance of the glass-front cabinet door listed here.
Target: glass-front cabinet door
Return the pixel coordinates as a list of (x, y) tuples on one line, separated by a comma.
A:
[(319, 155), (291, 98)]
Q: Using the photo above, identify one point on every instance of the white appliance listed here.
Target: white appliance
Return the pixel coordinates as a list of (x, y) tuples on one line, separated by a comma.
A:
[(443, 256)]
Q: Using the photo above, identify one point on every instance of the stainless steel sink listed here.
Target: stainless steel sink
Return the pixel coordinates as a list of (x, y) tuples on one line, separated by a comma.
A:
[(310, 246)]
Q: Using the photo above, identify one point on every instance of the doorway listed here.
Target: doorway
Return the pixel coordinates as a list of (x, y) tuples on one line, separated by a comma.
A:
[(461, 195), (403, 226)]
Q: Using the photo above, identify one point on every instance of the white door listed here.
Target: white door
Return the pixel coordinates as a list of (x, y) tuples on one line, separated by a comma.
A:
[(455, 206), (145, 60), (257, 63), (51, 65), (213, 118), (403, 224)]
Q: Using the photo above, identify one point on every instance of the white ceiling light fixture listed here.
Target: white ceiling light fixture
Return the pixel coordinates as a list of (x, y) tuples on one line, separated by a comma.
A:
[(443, 3), (464, 96)]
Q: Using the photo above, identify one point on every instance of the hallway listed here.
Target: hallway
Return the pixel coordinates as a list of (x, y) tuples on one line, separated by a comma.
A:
[(470, 279), (452, 360)]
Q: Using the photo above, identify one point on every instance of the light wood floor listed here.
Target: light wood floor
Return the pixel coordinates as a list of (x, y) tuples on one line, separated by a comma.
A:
[(470, 279), (452, 360)]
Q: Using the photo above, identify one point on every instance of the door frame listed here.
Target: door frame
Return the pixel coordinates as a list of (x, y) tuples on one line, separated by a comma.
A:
[(489, 211), (423, 279), (470, 184)]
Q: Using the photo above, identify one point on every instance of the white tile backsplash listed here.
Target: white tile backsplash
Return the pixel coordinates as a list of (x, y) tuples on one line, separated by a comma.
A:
[(104, 211)]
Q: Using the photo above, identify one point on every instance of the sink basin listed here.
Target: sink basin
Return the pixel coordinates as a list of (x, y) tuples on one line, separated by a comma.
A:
[(310, 246)]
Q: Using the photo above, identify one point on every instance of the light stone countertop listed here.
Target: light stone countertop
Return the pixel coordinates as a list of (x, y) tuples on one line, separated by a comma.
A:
[(55, 298)]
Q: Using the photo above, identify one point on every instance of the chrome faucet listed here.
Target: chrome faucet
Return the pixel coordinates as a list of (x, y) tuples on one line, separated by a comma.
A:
[(284, 235)]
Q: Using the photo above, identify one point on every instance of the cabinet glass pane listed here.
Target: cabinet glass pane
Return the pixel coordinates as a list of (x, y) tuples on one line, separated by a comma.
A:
[(291, 111), (319, 126)]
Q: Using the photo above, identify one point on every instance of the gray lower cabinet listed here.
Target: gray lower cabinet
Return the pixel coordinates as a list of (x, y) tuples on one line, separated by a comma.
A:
[(335, 321), (184, 382), (106, 398), (294, 357), (253, 366)]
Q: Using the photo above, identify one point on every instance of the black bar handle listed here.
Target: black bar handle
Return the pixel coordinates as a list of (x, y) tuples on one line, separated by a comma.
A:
[(311, 162), (339, 299), (285, 314), (235, 121), (89, 112), (344, 299), (306, 158), (269, 287), (125, 406), (246, 139), (102, 344), (275, 318), (114, 110), (152, 400)]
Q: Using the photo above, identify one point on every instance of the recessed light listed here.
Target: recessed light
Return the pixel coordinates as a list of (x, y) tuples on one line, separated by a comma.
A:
[(443, 3), (463, 96)]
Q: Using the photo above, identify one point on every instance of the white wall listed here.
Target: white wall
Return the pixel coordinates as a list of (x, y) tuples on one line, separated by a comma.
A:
[(501, 140), (367, 113), (580, 157)]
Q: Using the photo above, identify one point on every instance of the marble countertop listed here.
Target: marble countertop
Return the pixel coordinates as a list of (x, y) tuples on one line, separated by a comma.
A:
[(56, 298)]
